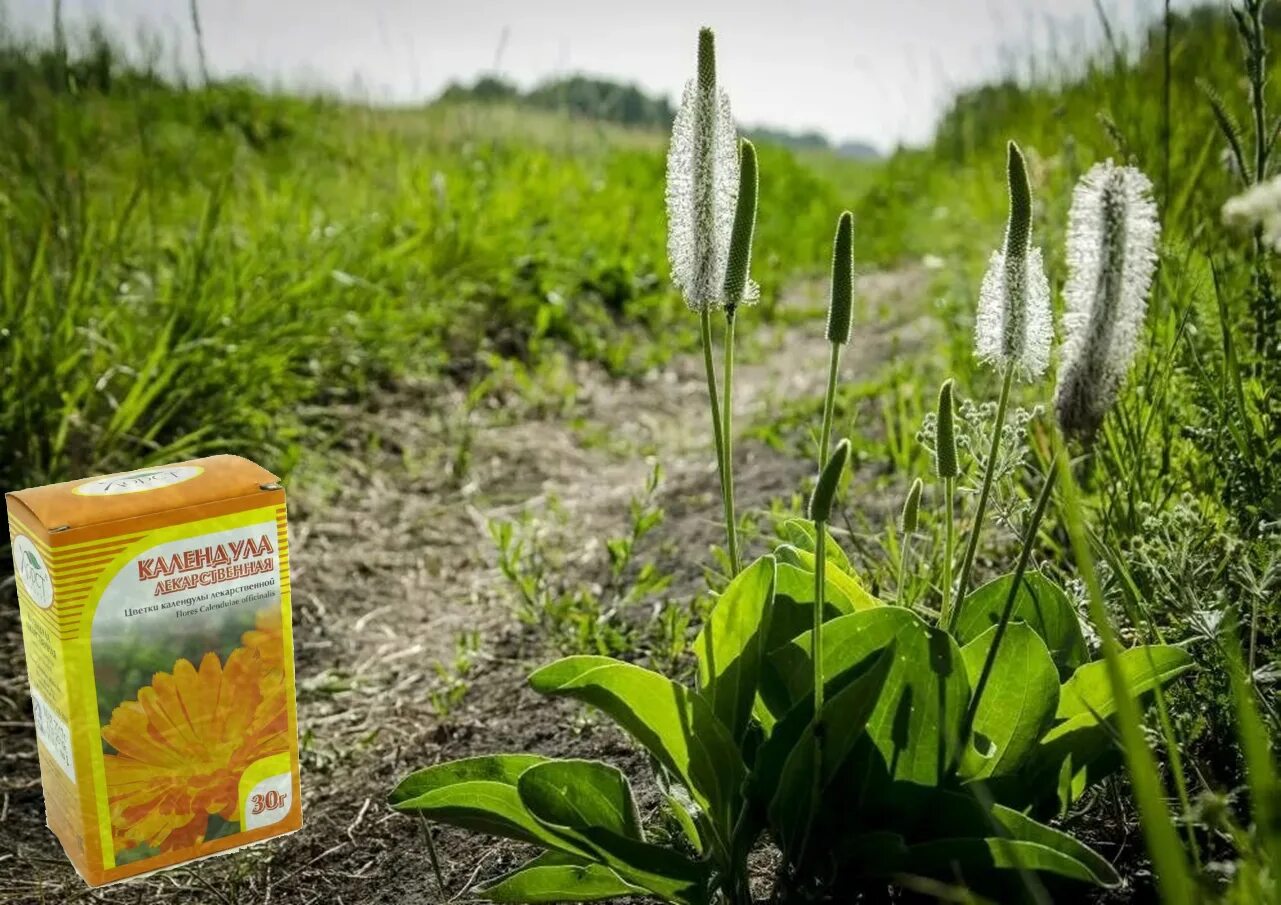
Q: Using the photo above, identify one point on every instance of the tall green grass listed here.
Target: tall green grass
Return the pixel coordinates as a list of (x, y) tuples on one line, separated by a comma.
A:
[(190, 270)]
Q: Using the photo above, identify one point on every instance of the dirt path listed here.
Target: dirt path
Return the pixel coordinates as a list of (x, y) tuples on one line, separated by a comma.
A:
[(396, 564)]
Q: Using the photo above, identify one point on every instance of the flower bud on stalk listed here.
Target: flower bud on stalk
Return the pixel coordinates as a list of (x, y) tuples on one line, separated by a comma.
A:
[(825, 490), (945, 466), (739, 288), (945, 446), (842, 299), (709, 237), (911, 509), (839, 318), (702, 185), (1013, 329), (908, 524)]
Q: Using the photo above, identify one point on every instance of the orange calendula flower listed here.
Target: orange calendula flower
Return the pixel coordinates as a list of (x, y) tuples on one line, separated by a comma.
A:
[(183, 745), (266, 637)]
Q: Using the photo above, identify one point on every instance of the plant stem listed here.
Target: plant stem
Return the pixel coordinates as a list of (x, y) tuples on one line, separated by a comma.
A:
[(820, 588), (816, 658), (727, 445), (829, 403), (431, 852), (1025, 557), (902, 570), (972, 542), (710, 366), (949, 551)]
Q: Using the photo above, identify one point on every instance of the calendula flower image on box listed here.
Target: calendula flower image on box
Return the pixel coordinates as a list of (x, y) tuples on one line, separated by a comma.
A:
[(266, 637), (183, 745)]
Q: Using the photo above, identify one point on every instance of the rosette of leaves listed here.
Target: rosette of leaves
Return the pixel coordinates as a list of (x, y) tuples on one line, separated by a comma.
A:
[(883, 785), (914, 795), (1046, 678)]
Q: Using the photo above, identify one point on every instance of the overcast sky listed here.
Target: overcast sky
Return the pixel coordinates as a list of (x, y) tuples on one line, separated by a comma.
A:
[(875, 70)]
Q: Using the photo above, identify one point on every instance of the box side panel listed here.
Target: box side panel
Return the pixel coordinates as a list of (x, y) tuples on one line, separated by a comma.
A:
[(50, 644)]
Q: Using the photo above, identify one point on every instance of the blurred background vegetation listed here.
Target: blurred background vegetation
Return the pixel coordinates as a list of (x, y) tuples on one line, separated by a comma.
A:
[(192, 268)]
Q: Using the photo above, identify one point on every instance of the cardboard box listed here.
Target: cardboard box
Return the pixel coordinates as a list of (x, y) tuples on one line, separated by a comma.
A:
[(156, 621)]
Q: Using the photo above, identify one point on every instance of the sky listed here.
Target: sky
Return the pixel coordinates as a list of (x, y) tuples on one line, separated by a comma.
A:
[(878, 71)]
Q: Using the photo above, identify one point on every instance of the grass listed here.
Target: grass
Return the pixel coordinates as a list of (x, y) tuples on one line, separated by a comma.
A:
[(198, 269)]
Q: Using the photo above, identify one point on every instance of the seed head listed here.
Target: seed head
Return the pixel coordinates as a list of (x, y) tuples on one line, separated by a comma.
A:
[(945, 438), (828, 479), (912, 508), (842, 301), (1012, 329), (1111, 257), (1258, 206), (702, 185), (739, 289)]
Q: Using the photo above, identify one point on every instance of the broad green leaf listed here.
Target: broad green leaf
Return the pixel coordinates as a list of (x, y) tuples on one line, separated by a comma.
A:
[(554, 877), (1059, 771), (800, 533), (1087, 697), (1040, 603), (676, 725), (953, 828), (808, 768), (573, 793), (479, 794), (793, 614), (916, 724), (1018, 702), (971, 859), (501, 768), (590, 804), (732, 642), (851, 588), (793, 610), (1079, 751), (1024, 828)]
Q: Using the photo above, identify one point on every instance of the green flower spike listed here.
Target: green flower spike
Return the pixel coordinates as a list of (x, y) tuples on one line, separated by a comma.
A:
[(908, 524), (739, 288), (946, 468), (839, 317)]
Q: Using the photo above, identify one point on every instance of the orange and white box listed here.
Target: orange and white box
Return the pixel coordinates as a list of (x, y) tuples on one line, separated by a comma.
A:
[(159, 647)]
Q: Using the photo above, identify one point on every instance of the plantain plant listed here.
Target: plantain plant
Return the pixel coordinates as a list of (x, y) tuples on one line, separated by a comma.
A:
[(867, 741)]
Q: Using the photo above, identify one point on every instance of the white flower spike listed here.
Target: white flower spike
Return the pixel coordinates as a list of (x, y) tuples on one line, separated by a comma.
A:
[(1111, 257), (1013, 327), (1260, 206), (702, 185)]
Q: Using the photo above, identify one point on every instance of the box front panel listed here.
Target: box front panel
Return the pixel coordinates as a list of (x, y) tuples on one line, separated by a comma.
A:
[(185, 687)]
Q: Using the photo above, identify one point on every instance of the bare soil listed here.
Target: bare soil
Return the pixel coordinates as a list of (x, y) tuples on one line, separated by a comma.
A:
[(393, 561)]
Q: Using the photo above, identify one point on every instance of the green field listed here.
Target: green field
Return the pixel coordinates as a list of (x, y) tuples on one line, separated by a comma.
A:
[(187, 270)]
